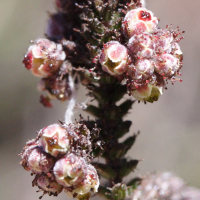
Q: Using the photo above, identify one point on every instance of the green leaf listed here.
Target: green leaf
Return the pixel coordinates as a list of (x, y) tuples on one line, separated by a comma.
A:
[(93, 110), (104, 170), (124, 107), (127, 167), (123, 128)]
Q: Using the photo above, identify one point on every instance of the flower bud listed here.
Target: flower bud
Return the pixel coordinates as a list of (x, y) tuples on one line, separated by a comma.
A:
[(91, 181), (70, 170), (39, 161), (44, 57), (54, 139), (113, 58), (47, 185), (148, 92), (162, 41), (143, 69), (141, 46), (176, 51), (139, 21), (166, 65)]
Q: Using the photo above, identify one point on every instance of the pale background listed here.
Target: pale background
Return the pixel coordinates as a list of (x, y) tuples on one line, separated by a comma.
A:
[(170, 128)]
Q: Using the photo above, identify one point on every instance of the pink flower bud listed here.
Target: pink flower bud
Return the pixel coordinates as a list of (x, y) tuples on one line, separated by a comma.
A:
[(44, 57), (91, 181), (70, 170), (47, 185), (141, 45), (113, 58), (139, 21), (54, 139), (143, 69), (38, 161), (166, 65), (162, 41), (147, 92)]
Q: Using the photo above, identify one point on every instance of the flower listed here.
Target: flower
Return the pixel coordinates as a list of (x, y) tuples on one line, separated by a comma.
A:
[(113, 58), (166, 64), (141, 45), (148, 92), (47, 184), (44, 57), (91, 181), (70, 170), (139, 21), (143, 69), (54, 139), (162, 40)]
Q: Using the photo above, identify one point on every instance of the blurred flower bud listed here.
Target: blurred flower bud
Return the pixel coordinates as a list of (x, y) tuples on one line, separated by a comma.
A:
[(54, 139), (166, 65), (44, 57), (143, 69), (162, 41), (119, 191), (141, 45), (147, 92), (70, 170), (56, 87), (47, 185), (176, 51), (139, 21), (91, 181), (113, 58), (165, 186)]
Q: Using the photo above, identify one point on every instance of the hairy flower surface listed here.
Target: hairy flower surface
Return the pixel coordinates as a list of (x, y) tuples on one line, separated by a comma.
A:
[(55, 140), (162, 40), (166, 65), (143, 69), (141, 45), (44, 57), (139, 21), (113, 58)]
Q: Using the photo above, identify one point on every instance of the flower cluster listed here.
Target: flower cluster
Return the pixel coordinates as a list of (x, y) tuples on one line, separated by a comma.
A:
[(46, 59), (59, 157), (148, 57), (164, 186)]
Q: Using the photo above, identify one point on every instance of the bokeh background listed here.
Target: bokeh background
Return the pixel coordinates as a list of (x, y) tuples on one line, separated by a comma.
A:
[(170, 128)]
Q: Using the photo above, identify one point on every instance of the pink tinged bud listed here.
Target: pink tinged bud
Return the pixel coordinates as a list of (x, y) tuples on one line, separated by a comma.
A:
[(139, 21), (143, 69), (46, 184), (113, 58), (162, 41), (70, 170), (166, 65), (44, 58), (91, 181), (141, 46), (176, 51), (148, 93), (55, 140), (39, 161)]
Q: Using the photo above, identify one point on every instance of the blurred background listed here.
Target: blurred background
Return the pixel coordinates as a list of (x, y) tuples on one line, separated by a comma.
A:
[(170, 128)]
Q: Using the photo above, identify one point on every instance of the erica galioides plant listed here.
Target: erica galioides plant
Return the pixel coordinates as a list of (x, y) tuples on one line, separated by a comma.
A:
[(113, 48)]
